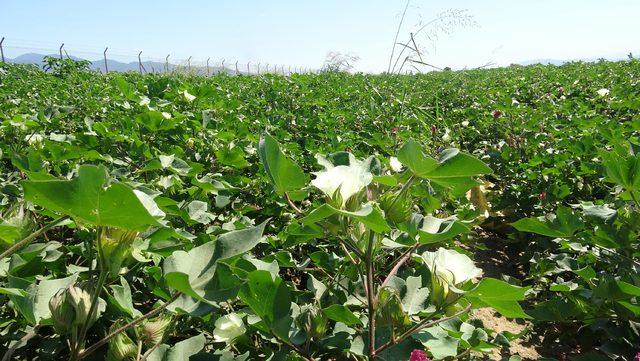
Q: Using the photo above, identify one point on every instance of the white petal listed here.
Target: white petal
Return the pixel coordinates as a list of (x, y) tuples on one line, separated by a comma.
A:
[(453, 267), (396, 166)]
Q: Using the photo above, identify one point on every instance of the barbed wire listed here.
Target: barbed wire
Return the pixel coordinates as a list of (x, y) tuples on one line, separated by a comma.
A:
[(118, 59)]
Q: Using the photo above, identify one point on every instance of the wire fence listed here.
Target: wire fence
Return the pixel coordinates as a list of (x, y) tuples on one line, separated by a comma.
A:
[(121, 60)]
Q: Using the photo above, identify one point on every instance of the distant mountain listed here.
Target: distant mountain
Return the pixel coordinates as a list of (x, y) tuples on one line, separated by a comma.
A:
[(114, 65)]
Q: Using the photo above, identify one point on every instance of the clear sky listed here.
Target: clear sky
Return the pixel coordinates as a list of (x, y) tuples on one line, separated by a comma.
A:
[(300, 33)]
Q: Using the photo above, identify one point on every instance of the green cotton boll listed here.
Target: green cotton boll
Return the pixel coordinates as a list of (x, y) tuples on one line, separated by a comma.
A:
[(121, 347), (396, 207), (116, 247), (153, 331), (390, 311)]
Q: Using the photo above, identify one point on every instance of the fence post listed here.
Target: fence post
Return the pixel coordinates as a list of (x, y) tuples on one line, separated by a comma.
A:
[(258, 68), (1, 50), (208, 66), (267, 71), (166, 64), (106, 67), (223, 68), (60, 50), (189, 64), (237, 68), (248, 69), (289, 70)]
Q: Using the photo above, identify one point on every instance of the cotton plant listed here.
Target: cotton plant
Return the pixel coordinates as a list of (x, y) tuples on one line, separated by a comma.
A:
[(388, 242)]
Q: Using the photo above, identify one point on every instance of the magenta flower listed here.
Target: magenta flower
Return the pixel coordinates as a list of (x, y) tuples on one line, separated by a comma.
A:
[(419, 355), (496, 114), (637, 358)]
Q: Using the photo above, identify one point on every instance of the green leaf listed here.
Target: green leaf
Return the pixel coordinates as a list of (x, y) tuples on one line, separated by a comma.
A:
[(370, 215), (232, 156), (192, 272), (35, 306), (270, 299), (440, 229), (90, 198), (623, 170), (122, 298), (285, 175), (563, 225), (411, 156), (438, 341), (500, 295), (415, 297), (455, 164), (340, 313), (181, 351)]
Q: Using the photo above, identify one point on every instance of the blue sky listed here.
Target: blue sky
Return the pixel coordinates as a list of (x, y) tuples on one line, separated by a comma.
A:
[(300, 33)]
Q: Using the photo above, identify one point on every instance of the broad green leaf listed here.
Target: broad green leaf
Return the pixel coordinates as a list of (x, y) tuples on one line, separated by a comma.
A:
[(623, 170), (440, 229), (563, 225), (232, 156), (122, 298), (181, 351), (438, 341), (270, 299), (501, 296), (91, 198), (415, 297), (370, 215), (340, 313), (285, 175), (455, 164), (411, 156), (35, 305), (192, 272)]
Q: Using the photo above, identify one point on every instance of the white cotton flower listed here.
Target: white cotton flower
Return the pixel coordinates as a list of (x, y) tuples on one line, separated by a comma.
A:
[(34, 140), (450, 266), (188, 97), (349, 179), (395, 164), (603, 92), (228, 328), (166, 115), (465, 123), (446, 137)]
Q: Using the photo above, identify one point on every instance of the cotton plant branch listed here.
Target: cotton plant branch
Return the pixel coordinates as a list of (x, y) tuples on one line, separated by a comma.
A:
[(104, 340), (424, 324)]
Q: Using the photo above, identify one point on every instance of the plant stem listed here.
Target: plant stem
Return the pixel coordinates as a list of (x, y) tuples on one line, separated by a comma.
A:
[(95, 296), (424, 324), (395, 40), (113, 334), (371, 296), (405, 256), (28, 239), (295, 208)]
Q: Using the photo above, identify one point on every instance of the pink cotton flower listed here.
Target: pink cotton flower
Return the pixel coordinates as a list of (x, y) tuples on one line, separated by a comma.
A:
[(637, 358), (419, 355), (496, 114)]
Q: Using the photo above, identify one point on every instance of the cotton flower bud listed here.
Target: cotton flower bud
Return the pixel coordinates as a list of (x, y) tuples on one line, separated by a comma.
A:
[(61, 312), (153, 331), (390, 312), (313, 321), (395, 206), (116, 247), (121, 347), (70, 309)]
